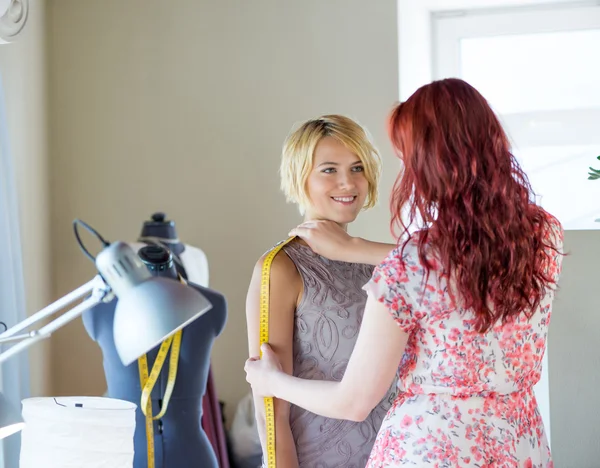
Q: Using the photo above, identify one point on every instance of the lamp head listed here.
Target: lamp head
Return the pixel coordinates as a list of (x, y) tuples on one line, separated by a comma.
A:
[(149, 309)]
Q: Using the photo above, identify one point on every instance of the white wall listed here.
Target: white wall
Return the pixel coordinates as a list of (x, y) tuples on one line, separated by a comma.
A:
[(23, 69), (183, 107), (574, 355)]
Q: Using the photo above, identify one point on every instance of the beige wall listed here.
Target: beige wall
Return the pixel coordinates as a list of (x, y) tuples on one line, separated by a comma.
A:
[(183, 107), (23, 69)]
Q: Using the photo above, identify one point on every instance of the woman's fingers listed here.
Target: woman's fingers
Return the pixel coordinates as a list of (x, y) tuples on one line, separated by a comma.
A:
[(305, 229)]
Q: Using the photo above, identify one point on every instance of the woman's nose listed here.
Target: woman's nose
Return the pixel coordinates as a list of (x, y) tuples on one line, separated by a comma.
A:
[(346, 181)]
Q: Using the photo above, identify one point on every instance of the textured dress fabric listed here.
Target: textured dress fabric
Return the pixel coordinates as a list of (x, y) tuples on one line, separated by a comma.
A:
[(327, 322)]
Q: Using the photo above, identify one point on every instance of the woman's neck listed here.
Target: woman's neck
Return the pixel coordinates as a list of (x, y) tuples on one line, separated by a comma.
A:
[(344, 226)]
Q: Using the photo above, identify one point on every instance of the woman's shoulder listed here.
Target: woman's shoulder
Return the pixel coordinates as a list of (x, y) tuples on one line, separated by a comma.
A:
[(281, 264), (407, 253)]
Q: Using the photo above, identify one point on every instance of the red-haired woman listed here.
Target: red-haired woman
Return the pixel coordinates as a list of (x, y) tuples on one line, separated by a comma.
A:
[(460, 308)]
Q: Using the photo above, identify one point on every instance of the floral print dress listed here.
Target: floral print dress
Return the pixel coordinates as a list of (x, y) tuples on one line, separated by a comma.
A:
[(465, 398)]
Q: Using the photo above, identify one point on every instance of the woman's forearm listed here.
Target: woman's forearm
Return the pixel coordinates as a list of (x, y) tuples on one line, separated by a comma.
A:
[(321, 397), (369, 252), (285, 454)]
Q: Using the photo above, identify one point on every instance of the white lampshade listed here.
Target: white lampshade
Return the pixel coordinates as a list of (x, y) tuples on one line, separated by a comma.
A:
[(10, 419), (59, 433)]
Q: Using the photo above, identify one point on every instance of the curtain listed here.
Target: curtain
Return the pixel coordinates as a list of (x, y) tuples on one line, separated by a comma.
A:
[(14, 373)]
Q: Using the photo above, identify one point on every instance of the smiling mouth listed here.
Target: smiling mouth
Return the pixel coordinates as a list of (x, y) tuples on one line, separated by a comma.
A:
[(344, 200)]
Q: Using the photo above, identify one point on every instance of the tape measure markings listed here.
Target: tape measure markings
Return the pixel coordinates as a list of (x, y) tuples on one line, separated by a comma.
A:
[(147, 382), (264, 338)]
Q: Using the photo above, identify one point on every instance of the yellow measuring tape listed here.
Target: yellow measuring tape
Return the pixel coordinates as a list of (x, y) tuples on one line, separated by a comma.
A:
[(148, 382), (264, 338)]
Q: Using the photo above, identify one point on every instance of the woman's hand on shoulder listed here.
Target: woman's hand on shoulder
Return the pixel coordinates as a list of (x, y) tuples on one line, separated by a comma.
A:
[(326, 238)]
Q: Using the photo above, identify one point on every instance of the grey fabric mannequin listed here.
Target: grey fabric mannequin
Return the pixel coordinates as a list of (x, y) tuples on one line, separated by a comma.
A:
[(179, 439)]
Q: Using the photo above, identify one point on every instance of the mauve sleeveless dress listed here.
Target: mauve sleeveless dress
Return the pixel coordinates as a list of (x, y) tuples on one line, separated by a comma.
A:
[(327, 322)]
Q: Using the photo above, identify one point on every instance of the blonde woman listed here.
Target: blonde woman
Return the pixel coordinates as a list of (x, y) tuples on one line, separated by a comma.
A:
[(330, 169)]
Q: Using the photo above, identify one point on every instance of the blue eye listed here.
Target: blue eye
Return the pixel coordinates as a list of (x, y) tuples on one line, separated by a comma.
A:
[(328, 170), (358, 169)]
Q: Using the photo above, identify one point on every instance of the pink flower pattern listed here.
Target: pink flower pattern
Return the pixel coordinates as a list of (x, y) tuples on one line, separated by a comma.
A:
[(465, 399)]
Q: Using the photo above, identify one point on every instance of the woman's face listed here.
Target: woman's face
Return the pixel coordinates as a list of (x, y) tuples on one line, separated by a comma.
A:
[(337, 187)]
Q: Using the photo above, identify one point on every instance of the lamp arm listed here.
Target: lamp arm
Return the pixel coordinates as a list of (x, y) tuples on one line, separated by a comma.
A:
[(99, 289)]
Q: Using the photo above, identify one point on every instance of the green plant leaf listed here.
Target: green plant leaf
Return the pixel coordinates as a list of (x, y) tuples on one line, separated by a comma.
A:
[(593, 174)]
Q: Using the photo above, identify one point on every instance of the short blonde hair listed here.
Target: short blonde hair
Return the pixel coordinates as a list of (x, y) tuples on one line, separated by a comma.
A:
[(299, 150)]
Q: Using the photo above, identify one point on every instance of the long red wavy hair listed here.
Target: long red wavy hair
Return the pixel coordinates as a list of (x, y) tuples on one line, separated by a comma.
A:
[(474, 202)]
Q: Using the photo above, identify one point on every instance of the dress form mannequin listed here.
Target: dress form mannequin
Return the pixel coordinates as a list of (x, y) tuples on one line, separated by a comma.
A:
[(190, 261), (179, 439)]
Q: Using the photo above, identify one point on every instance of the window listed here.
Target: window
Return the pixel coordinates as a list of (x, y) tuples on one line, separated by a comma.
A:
[(539, 71)]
